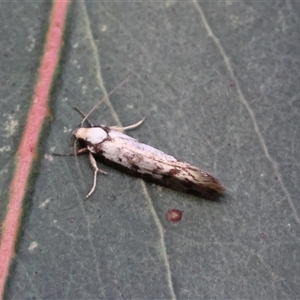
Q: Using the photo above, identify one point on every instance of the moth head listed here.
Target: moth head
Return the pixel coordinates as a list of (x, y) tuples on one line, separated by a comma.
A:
[(93, 135), (80, 133)]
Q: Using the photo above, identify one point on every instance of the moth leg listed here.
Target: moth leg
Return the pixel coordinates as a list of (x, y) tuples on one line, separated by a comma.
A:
[(80, 151), (122, 129), (96, 170)]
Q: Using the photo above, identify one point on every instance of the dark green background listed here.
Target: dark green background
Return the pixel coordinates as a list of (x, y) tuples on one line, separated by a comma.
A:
[(244, 130)]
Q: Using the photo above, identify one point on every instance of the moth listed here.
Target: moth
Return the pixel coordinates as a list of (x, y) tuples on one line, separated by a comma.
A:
[(112, 146)]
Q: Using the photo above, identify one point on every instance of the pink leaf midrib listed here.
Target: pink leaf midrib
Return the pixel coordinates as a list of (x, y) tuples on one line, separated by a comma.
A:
[(29, 143)]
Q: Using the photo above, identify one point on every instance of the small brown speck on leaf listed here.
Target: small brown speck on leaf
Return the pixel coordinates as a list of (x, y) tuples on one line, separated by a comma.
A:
[(174, 215)]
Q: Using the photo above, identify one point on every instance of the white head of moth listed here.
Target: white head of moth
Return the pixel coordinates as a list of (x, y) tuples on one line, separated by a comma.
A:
[(121, 150), (94, 135)]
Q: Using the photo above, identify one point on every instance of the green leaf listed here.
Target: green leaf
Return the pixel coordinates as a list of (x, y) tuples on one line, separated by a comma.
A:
[(218, 85)]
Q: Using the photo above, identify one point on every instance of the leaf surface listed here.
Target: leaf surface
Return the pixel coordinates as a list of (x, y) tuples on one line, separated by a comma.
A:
[(218, 85)]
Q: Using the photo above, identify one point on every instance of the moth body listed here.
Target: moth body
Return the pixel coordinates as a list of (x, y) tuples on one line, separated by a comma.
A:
[(145, 161)]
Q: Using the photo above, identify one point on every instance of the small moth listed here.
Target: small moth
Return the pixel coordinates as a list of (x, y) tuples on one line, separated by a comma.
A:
[(112, 146)]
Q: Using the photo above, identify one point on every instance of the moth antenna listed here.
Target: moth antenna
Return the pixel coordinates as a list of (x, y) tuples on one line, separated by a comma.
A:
[(75, 154), (105, 98), (84, 117), (75, 147)]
